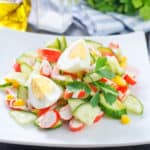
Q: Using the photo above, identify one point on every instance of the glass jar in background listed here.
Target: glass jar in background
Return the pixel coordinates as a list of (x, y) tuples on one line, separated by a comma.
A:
[(54, 15)]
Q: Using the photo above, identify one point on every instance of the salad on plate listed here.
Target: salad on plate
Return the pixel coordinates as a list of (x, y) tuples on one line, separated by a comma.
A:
[(75, 84)]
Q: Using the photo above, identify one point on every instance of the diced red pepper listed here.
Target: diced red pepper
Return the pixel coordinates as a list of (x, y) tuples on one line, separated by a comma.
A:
[(51, 55), (104, 80), (81, 94), (93, 88), (73, 75), (17, 67), (67, 94), (122, 89), (109, 82), (130, 80)]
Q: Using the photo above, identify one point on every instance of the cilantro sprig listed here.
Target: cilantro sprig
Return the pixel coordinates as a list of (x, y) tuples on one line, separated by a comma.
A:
[(109, 92), (77, 85), (95, 100), (102, 68)]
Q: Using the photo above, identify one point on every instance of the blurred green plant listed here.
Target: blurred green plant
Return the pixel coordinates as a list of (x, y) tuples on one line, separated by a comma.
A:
[(127, 7)]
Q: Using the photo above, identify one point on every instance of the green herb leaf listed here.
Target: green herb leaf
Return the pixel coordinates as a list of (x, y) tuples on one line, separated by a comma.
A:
[(106, 88), (101, 61), (110, 98), (105, 73), (76, 86), (94, 100)]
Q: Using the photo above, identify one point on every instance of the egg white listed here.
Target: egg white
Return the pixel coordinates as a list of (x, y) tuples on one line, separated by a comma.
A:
[(73, 65), (49, 98)]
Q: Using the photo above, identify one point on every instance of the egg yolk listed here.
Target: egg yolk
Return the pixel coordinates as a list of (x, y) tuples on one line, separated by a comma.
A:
[(40, 88), (78, 52)]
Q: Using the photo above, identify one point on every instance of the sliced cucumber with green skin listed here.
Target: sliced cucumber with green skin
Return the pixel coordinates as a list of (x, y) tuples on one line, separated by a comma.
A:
[(74, 103), (55, 44), (114, 65), (58, 125), (91, 77), (22, 92), (133, 105), (5, 85), (25, 68), (115, 110), (22, 117), (94, 44), (63, 82), (86, 113), (26, 59), (63, 43)]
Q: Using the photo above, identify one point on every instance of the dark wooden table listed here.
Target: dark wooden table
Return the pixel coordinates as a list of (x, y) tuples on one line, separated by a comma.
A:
[(73, 30)]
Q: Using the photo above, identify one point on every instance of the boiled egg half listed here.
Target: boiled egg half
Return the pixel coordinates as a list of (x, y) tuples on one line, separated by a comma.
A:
[(43, 92), (75, 58)]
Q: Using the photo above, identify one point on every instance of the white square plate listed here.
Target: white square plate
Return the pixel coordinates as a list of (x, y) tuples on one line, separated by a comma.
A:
[(107, 132)]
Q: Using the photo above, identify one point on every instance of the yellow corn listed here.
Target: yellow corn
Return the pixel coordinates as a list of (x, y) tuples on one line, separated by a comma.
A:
[(125, 119), (19, 102), (14, 83), (123, 62), (9, 97), (119, 81), (35, 111)]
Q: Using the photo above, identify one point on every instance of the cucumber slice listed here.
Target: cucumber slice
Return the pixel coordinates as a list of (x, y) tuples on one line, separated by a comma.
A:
[(74, 103), (116, 110), (91, 77), (63, 82), (63, 43), (133, 105), (93, 44), (25, 68), (86, 113), (55, 44), (22, 117), (22, 92), (58, 125), (114, 65), (27, 59)]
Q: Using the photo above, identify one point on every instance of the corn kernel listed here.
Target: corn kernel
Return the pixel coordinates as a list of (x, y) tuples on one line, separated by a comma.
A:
[(123, 62), (119, 81), (19, 102), (14, 83), (125, 119), (9, 97)]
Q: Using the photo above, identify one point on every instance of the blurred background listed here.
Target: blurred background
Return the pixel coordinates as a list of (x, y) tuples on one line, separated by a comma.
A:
[(76, 17)]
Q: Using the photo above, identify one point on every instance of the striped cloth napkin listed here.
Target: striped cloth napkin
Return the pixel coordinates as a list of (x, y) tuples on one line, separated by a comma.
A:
[(97, 23)]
